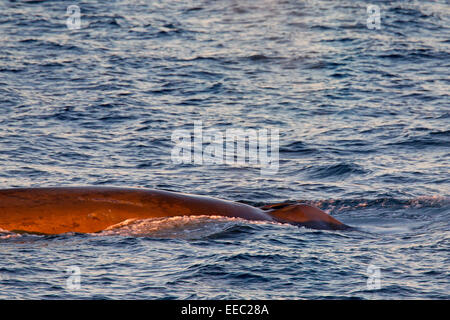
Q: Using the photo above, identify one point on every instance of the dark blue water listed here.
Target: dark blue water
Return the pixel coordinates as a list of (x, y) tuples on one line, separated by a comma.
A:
[(363, 116)]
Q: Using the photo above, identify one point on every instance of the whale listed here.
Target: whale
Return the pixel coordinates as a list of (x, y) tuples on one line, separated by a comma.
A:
[(58, 210)]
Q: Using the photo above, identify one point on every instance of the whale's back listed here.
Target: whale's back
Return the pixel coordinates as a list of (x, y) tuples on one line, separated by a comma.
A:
[(93, 209)]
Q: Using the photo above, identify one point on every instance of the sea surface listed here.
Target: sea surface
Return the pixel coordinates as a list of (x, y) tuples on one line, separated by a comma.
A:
[(363, 112)]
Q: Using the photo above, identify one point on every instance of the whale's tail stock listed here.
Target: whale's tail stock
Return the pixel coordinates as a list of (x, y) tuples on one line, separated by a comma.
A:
[(304, 215)]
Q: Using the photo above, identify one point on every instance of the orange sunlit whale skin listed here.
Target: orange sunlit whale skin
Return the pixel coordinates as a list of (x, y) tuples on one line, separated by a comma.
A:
[(93, 209)]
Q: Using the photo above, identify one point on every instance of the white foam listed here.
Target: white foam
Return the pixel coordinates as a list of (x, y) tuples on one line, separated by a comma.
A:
[(5, 234), (175, 227)]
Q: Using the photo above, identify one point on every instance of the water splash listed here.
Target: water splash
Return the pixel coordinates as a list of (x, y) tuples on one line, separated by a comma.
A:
[(179, 227)]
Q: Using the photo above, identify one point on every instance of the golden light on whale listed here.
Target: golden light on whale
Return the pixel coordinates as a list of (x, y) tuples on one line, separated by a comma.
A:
[(93, 209)]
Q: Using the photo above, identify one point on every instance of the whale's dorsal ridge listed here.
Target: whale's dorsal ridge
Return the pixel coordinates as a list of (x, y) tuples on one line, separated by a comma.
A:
[(278, 205), (301, 214)]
